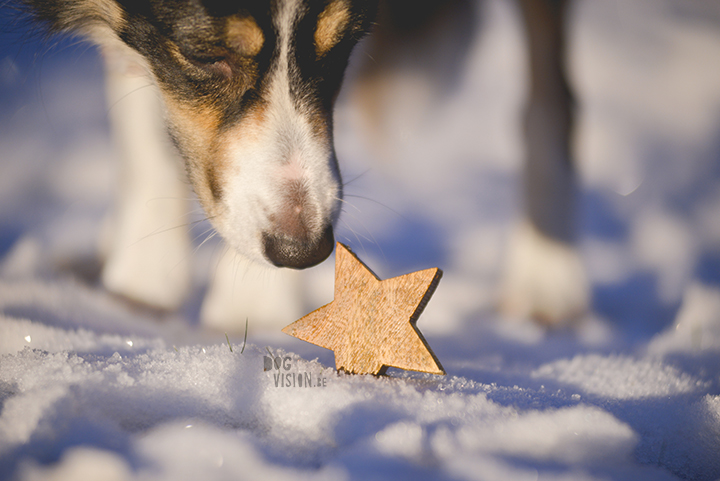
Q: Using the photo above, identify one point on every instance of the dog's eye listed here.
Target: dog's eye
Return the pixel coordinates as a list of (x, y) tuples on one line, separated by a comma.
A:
[(213, 64)]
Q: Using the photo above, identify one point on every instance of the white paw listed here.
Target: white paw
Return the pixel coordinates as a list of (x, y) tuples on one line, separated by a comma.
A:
[(239, 289), (150, 264), (544, 279)]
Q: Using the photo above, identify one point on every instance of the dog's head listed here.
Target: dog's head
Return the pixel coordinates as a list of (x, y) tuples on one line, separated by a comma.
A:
[(249, 87)]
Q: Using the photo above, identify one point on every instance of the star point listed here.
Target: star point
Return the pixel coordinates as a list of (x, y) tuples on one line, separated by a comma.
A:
[(370, 324)]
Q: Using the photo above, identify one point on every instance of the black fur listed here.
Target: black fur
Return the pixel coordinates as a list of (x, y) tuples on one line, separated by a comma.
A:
[(194, 26)]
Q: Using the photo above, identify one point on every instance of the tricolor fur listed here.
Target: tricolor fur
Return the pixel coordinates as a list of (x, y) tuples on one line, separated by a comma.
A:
[(248, 87)]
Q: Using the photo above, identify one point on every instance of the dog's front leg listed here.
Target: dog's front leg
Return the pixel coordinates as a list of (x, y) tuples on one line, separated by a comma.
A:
[(545, 278), (146, 245)]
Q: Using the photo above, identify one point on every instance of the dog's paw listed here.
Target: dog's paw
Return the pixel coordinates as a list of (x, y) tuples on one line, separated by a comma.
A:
[(544, 279), (239, 289), (153, 271)]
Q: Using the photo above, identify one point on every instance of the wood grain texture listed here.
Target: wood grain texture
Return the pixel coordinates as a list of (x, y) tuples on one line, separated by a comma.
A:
[(370, 324)]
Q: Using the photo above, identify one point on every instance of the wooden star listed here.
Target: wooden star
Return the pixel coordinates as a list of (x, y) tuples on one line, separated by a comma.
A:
[(370, 324)]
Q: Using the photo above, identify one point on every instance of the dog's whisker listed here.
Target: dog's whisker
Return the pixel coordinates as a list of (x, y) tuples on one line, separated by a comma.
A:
[(359, 176), (192, 252), (371, 238), (195, 249), (149, 84), (168, 229), (202, 234), (357, 234), (369, 199), (352, 231), (345, 202), (189, 213), (212, 234), (187, 199), (372, 58)]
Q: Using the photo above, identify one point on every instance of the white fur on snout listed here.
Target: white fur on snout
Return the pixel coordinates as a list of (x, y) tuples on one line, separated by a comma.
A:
[(272, 152)]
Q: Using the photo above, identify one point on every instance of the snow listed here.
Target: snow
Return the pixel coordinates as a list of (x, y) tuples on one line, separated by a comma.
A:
[(94, 388)]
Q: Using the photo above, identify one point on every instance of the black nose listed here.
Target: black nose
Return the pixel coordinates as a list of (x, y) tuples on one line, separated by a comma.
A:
[(287, 251)]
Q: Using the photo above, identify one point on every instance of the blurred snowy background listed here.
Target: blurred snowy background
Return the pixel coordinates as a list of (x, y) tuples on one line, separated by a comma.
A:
[(92, 389)]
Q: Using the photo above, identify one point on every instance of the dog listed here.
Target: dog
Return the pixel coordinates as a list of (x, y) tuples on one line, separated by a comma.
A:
[(543, 276), (244, 92)]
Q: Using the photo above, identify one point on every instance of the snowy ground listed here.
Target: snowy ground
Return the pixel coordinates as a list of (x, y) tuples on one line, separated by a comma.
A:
[(91, 389)]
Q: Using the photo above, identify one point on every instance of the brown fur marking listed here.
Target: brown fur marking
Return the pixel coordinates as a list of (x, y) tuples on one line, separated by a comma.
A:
[(244, 35), (331, 23), (196, 129)]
